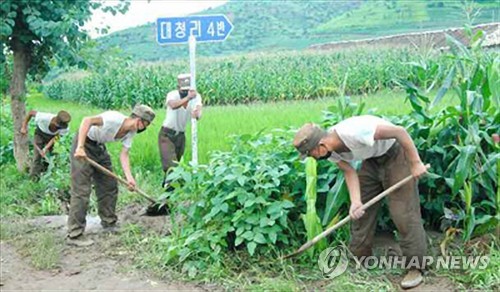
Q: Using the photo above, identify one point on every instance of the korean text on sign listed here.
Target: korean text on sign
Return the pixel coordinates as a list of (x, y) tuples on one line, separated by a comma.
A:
[(203, 28)]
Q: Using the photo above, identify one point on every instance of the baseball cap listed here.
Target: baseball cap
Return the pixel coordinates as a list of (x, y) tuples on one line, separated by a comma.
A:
[(62, 119), (184, 81), (144, 112), (307, 138)]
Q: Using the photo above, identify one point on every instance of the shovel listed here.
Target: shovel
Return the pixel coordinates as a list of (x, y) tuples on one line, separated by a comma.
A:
[(379, 197), (42, 153), (154, 209)]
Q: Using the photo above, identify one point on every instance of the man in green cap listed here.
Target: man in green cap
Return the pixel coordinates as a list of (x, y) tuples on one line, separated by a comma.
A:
[(388, 155), (48, 128), (90, 142), (181, 104)]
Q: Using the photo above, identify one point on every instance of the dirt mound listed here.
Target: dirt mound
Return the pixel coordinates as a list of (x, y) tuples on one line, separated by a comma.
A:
[(133, 214)]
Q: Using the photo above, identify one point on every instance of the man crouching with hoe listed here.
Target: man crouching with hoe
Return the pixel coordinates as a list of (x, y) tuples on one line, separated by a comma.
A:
[(90, 142), (388, 155)]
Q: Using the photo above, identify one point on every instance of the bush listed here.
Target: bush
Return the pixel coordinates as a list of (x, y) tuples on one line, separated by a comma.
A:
[(6, 134)]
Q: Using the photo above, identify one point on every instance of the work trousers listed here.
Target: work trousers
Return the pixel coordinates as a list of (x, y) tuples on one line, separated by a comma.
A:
[(376, 175), (172, 145), (83, 176), (39, 164)]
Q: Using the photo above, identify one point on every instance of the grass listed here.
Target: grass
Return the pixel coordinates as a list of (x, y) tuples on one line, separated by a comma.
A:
[(375, 18), (43, 247), (379, 15), (215, 129), (477, 279), (219, 123), (243, 272)]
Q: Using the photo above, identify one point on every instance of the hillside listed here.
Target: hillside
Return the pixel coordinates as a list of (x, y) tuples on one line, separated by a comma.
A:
[(273, 25)]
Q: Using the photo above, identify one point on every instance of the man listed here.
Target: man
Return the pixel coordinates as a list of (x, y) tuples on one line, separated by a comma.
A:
[(181, 104), (90, 142), (388, 155), (48, 127)]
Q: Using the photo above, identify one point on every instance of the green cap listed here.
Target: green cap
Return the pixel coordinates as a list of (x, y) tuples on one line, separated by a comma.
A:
[(144, 112), (307, 138)]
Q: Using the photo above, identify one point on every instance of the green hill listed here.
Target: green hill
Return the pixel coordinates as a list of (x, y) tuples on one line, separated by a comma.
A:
[(282, 25)]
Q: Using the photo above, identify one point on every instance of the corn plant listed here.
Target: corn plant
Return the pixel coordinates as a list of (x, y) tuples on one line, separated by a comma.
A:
[(244, 79), (311, 219), (457, 140)]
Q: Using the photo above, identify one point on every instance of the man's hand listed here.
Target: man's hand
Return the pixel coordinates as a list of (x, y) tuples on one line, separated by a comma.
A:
[(418, 169), (80, 153), (131, 184), (355, 211), (23, 131), (191, 94), (195, 114), (42, 152)]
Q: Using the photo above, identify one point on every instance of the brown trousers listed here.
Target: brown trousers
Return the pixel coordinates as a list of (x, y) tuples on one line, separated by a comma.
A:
[(39, 164), (83, 175), (172, 145), (376, 175)]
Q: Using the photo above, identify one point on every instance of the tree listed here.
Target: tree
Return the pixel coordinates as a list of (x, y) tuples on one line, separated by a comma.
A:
[(35, 31)]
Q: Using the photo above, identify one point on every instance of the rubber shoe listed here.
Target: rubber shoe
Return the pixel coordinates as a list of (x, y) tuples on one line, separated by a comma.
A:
[(79, 241), (412, 279)]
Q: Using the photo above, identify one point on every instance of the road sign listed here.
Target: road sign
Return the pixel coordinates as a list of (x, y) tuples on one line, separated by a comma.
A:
[(205, 28)]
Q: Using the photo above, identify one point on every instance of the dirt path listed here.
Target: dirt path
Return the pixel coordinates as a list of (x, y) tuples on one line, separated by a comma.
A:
[(102, 266), (106, 265), (85, 270)]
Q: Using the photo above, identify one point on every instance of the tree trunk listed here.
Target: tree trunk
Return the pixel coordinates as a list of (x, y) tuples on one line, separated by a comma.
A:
[(22, 57)]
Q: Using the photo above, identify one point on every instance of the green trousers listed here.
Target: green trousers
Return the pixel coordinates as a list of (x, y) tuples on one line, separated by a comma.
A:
[(376, 175), (171, 145), (83, 176), (39, 164)]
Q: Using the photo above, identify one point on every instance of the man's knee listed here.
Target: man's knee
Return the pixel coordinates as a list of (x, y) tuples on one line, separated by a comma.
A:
[(360, 250)]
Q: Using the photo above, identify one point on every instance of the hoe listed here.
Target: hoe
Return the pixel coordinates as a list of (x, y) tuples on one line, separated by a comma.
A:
[(325, 233)]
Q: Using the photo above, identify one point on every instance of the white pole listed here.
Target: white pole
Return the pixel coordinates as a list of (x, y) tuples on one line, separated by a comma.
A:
[(194, 128)]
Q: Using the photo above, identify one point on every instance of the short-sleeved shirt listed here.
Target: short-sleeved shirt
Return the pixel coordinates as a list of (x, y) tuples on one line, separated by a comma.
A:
[(111, 124), (358, 134), (177, 119), (42, 121)]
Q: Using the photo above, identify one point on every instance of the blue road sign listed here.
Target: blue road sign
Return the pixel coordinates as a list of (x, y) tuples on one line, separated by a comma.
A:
[(205, 28)]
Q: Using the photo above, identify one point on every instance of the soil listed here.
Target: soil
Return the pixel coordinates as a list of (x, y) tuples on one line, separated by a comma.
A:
[(102, 266), (106, 266)]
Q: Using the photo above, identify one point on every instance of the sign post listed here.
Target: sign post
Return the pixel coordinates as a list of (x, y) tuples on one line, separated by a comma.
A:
[(194, 126), (192, 29)]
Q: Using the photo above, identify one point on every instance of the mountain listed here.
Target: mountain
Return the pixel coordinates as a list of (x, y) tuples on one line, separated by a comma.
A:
[(284, 25)]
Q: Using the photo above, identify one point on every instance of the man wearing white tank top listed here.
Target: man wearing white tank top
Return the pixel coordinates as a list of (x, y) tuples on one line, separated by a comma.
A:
[(388, 155), (48, 129), (90, 142)]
